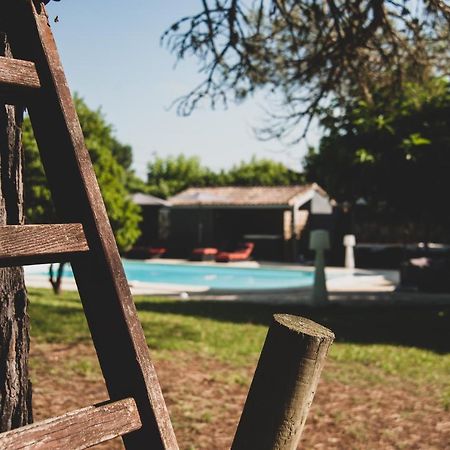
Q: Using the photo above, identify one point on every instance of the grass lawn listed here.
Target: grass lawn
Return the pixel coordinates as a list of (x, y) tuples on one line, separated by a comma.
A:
[(388, 371)]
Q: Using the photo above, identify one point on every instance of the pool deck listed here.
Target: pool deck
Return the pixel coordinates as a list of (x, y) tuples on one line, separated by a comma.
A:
[(344, 285)]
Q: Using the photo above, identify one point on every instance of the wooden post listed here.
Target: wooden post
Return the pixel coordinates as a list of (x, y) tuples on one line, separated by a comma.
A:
[(284, 384)]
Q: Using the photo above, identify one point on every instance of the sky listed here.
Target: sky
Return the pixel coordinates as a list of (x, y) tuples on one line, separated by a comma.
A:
[(112, 57)]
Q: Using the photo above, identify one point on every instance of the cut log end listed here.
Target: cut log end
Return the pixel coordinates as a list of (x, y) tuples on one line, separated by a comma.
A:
[(303, 326)]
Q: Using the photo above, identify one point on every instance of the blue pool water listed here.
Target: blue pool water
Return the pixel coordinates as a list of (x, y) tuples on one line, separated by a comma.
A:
[(216, 277)]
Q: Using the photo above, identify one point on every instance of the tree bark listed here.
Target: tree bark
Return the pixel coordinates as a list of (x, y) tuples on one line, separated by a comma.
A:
[(15, 386), (56, 281)]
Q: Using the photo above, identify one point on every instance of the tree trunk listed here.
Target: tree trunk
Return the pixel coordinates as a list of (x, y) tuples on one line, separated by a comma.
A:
[(15, 386), (56, 281)]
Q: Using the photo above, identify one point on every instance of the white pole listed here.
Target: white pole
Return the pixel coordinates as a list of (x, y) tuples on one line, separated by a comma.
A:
[(349, 243)]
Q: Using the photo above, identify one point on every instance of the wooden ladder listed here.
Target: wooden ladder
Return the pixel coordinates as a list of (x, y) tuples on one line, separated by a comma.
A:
[(136, 410)]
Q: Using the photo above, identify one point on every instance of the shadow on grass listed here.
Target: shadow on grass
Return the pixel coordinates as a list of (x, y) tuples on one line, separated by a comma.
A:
[(426, 327), (58, 324)]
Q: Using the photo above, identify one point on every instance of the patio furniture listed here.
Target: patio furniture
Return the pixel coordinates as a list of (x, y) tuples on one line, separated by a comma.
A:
[(156, 252), (204, 254), (145, 252), (242, 253)]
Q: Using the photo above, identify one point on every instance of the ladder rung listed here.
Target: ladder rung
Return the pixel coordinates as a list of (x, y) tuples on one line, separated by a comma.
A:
[(76, 430), (19, 73), (36, 244), (17, 77)]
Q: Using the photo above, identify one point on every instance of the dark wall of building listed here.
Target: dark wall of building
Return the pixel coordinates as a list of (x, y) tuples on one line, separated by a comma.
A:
[(321, 222), (149, 225), (225, 228), (264, 227), (189, 228), (232, 225)]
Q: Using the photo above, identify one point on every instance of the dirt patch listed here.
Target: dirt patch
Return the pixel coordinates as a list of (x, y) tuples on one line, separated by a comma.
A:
[(205, 398)]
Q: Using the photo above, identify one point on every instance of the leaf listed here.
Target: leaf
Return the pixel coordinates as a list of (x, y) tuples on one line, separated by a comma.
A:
[(414, 140), (364, 156)]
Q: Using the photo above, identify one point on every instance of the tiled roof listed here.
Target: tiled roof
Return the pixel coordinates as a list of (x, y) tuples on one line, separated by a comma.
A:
[(145, 199), (241, 196)]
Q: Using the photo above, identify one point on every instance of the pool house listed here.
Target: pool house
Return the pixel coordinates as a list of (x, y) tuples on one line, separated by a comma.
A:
[(276, 219)]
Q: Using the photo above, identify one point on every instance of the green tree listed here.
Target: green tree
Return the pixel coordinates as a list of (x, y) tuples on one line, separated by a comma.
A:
[(305, 54), (393, 153), (262, 172), (111, 161), (38, 200), (168, 176)]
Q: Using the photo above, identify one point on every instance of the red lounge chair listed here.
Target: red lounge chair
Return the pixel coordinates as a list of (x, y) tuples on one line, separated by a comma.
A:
[(156, 252), (204, 254), (242, 253), (144, 252)]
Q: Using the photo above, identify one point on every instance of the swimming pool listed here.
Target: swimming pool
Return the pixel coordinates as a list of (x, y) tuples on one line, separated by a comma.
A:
[(215, 277)]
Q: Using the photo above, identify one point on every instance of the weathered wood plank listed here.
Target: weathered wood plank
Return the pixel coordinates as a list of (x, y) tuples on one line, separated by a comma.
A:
[(16, 72), (18, 78), (34, 244), (111, 314), (76, 430), (284, 384)]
